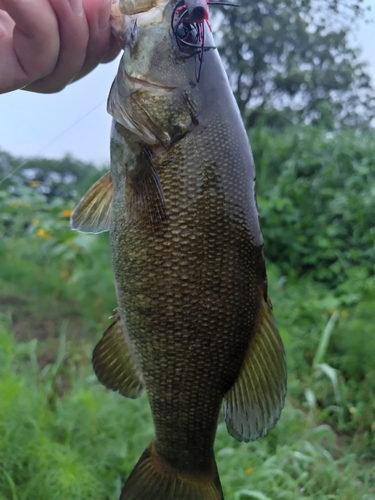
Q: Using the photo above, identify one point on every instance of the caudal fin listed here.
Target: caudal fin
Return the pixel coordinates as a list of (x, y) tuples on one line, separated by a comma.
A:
[(153, 479)]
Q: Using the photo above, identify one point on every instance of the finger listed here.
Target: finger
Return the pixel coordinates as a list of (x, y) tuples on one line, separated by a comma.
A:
[(10, 71), (30, 43), (74, 37), (113, 50), (6, 24), (100, 40)]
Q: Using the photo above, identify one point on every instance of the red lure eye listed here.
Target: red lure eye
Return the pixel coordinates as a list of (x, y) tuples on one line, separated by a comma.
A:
[(197, 10)]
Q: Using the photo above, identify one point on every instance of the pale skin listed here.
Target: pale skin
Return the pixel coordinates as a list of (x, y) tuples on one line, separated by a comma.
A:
[(46, 44)]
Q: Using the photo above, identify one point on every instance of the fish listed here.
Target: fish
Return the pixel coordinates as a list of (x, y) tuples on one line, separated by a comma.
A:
[(131, 7), (197, 9), (194, 327)]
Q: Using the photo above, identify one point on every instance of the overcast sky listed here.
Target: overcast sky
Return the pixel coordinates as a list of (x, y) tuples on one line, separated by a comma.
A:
[(46, 125)]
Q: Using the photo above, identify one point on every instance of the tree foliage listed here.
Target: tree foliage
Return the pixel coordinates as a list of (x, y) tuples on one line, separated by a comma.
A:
[(66, 178), (292, 61)]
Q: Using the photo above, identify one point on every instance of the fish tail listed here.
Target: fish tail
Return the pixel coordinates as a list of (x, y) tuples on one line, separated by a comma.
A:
[(153, 479)]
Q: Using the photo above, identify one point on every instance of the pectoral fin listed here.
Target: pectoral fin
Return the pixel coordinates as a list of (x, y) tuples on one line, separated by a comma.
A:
[(114, 363), (146, 198), (92, 215), (254, 403)]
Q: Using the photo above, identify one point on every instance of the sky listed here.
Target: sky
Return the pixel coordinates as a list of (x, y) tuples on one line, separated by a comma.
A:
[(75, 121)]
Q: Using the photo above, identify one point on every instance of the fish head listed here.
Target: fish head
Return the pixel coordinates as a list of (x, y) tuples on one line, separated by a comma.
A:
[(155, 94)]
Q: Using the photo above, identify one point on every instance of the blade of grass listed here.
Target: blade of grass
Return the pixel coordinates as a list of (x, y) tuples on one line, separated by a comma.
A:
[(324, 339)]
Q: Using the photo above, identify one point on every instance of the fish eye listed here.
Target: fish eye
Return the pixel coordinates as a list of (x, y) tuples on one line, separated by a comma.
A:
[(187, 33)]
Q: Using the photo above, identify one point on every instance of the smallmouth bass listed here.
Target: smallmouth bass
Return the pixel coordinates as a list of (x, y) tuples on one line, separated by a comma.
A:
[(194, 323)]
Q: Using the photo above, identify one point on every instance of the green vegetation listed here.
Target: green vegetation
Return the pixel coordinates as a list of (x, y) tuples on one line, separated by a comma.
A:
[(316, 197), (64, 436), (294, 62)]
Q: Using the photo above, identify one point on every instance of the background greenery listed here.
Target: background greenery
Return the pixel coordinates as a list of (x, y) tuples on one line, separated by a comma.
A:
[(307, 100), (63, 435), (294, 61)]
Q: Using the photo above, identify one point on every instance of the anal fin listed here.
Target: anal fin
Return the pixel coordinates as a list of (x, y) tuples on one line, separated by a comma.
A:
[(92, 214), (114, 363), (254, 403)]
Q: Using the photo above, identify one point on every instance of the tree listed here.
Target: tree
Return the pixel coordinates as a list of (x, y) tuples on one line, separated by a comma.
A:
[(291, 61), (67, 178)]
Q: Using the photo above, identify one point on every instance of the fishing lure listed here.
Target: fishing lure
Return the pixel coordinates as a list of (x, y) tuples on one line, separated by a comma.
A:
[(197, 10), (188, 20), (189, 33)]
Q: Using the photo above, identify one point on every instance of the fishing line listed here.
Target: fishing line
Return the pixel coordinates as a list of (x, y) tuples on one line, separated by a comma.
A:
[(223, 4), (52, 141)]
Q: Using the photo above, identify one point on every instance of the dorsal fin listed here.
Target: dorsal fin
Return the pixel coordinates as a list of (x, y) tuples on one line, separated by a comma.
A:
[(93, 212)]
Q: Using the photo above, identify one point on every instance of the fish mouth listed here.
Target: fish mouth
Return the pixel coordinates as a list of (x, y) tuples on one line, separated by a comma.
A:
[(140, 81)]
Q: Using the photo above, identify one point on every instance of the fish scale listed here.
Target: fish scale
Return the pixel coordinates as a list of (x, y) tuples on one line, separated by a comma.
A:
[(195, 325), (179, 306)]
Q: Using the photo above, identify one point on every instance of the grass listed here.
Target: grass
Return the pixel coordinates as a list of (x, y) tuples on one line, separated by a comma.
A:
[(62, 435)]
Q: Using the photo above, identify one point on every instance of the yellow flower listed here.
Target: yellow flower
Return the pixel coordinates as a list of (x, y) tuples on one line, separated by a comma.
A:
[(34, 184), (344, 314), (65, 274), (250, 470), (67, 213), (19, 203), (43, 233)]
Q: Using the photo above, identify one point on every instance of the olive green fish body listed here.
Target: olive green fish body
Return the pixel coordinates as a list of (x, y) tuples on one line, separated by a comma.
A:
[(188, 294), (187, 257)]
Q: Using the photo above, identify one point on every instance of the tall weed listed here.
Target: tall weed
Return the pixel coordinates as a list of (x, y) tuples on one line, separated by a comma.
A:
[(63, 436)]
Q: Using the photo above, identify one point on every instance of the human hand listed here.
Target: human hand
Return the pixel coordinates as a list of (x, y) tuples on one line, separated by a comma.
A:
[(46, 44)]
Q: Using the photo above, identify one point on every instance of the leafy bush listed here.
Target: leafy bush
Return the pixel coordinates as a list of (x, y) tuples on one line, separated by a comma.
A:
[(316, 203), (62, 178), (338, 371), (48, 271)]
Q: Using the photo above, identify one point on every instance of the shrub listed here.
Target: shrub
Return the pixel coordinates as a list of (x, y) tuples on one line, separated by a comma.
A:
[(316, 202)]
